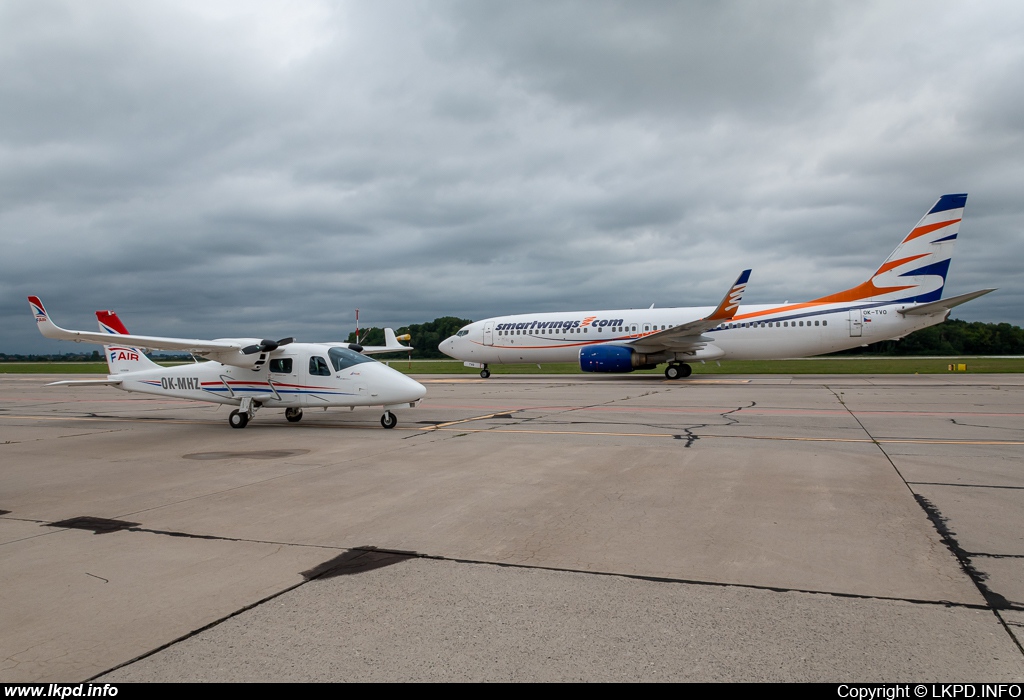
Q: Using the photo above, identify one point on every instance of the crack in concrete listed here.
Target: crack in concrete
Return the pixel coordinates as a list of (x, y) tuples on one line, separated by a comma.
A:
[(954, 421), (972, 486), (994, 601)]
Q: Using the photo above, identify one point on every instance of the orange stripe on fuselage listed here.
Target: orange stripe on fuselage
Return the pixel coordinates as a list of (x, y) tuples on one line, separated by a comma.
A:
[(922, 230), (858, 293)]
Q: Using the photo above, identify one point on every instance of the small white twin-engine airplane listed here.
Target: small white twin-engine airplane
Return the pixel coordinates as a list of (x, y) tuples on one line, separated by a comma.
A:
[(247, 372), (903, 295)]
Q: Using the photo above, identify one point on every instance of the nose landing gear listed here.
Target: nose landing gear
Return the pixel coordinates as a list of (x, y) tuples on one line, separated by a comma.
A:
[(388, 420), (246, 410)]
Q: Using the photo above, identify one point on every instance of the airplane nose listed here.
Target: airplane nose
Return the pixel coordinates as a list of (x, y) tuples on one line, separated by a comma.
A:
[(414, 387), (445, 345)]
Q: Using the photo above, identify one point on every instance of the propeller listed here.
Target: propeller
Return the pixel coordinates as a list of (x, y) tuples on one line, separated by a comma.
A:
[(266, 346), (355, 346)]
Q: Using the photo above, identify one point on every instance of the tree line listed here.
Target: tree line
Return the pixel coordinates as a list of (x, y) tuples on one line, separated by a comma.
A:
[(953, 337)]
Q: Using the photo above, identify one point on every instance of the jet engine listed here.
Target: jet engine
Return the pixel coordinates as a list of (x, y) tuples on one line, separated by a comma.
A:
[(615, 358)]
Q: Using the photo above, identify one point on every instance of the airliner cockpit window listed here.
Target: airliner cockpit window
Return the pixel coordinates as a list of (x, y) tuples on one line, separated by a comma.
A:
[(343, 357), (462, 333)]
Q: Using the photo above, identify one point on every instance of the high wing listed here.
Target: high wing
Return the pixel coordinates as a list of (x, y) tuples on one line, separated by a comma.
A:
[(51, 330), (687, 336), (391, 344), (943, 305)]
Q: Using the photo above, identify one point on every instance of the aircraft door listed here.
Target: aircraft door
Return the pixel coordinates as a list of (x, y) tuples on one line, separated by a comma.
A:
[(489, 333), (856, 323), (284, 378), (318, 374)]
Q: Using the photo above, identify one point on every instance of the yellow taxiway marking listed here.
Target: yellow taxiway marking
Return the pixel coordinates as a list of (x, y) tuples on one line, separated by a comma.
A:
[(451, 381), (469, 420)]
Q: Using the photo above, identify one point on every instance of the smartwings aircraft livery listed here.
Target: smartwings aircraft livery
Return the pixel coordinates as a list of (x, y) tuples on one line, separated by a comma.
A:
[(903, 295)]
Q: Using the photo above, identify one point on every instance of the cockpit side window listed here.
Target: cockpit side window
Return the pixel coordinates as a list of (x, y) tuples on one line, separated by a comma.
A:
[(318, 367), (281, 365), (343, 357)]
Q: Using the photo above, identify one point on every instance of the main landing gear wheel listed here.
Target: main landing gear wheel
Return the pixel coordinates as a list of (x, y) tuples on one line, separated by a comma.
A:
[(388, 420), (678, 371), (485, 373), (238, 420), (294, 415)]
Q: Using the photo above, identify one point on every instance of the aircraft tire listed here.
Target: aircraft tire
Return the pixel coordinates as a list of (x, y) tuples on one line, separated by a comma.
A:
[(485, 373), (672, 372), (685, 370), (238, 420), (294, 415), (388, 420)]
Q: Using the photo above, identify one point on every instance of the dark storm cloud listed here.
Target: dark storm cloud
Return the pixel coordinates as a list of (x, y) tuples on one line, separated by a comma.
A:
[(261, 169)]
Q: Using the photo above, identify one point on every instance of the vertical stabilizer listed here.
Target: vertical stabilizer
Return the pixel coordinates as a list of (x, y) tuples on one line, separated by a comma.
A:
[(120, 358), (916, 271)]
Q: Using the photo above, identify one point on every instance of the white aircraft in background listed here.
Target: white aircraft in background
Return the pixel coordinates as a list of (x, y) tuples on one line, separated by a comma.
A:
[(246, 372), (903, 295)]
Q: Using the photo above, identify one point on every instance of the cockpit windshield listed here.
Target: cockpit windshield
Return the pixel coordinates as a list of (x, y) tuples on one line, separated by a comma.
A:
[(343, 357), (464, 331)]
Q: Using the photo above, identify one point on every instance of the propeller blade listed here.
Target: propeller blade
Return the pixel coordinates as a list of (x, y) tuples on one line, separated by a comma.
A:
[(285, 341), (251, 350)]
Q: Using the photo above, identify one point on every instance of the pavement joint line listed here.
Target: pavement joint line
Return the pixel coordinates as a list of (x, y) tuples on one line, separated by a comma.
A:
[(443, 427), (456, 560), (896, 441)]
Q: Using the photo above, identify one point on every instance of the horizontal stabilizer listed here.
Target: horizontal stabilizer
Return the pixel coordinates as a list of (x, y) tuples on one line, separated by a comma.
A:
[(391, 344), (86, 382), (943, 305)]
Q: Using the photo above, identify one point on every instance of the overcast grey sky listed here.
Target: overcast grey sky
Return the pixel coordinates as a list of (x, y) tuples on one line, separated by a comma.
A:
[(211, 169)]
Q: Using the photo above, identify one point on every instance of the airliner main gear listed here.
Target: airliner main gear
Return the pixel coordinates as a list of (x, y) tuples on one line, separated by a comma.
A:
[(678, 371)]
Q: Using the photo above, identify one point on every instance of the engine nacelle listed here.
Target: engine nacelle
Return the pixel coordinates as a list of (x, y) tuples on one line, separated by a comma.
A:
[(613, 358), (236, 358)]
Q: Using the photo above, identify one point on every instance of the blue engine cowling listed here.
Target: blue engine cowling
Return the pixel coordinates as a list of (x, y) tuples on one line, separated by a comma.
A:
[(612, 358)]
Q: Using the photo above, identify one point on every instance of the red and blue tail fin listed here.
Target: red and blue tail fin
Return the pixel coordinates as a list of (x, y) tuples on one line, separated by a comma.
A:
[(916, 271), (120, 358)]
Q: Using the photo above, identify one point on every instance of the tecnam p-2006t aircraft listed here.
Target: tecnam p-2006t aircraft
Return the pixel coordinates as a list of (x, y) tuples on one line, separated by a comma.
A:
[(903, 295), (246, 372)]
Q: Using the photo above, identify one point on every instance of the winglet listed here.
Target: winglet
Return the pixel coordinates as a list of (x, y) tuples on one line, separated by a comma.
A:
[(731, 302), (47, 327)]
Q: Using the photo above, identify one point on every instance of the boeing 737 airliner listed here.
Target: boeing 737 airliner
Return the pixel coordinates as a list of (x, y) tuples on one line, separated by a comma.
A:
[(903, 295)]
